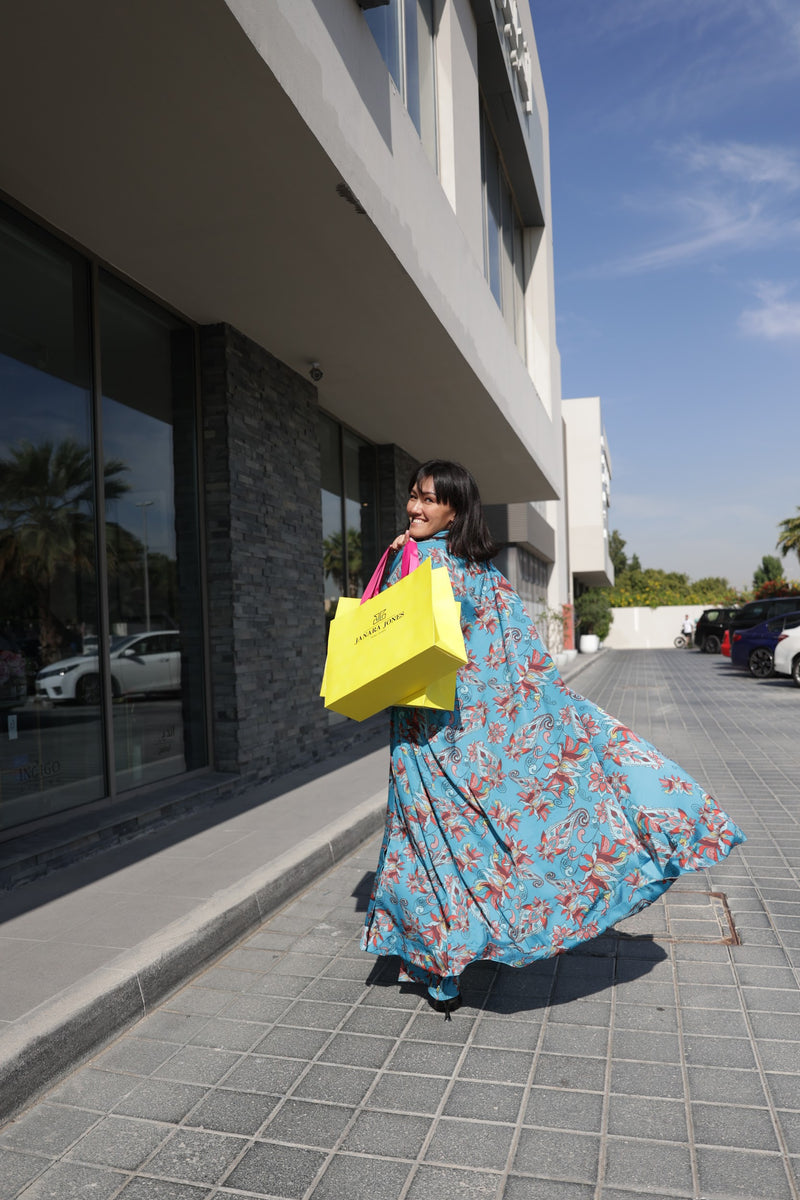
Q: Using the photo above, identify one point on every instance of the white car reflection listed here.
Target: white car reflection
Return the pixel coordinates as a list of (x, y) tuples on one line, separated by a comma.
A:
[(141, 663)]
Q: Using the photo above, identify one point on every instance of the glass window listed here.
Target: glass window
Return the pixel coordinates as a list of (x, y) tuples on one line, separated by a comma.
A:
[(152, 535), (503, 238), (403, 30), (360, 511), (349, 512), (51, 754)]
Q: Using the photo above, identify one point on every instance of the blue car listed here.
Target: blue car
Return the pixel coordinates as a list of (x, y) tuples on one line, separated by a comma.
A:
[(753, 649)]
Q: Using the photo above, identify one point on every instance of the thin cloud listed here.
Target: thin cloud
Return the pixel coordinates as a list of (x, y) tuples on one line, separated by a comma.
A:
[(776, 318), (733, 197)]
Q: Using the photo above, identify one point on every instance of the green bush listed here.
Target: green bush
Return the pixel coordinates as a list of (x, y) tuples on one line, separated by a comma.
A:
[(593, 612)]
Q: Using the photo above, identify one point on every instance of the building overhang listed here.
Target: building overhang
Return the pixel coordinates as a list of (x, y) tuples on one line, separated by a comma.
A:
[(157, 137), (521, 525)]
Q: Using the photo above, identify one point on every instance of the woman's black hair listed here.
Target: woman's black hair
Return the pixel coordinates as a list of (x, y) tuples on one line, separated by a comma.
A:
[(469, 535)]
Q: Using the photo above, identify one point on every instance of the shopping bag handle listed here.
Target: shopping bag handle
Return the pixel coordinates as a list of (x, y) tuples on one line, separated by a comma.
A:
[(409, 563)]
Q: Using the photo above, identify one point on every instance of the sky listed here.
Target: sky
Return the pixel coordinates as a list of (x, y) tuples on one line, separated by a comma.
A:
[(675, 159)]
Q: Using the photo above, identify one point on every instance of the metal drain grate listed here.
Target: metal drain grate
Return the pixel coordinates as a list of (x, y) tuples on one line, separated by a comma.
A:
[(685, 915)]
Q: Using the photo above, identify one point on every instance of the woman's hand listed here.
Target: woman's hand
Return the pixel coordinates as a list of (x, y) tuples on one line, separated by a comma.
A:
[(400, 541)]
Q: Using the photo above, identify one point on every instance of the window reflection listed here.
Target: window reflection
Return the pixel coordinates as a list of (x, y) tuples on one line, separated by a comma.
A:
[(49, 760), (349, 512), (148, 422), (404, 32)]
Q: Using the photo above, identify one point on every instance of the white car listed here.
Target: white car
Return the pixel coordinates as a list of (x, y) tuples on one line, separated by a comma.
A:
[(141, 663), (787, 654)]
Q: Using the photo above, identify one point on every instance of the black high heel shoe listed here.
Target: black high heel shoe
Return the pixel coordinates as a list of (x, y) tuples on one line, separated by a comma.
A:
[(447, 1006)]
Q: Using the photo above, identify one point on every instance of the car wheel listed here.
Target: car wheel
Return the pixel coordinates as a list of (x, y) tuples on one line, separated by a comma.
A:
[(712, 644), (87, 690), (796, 670), (759, 663)]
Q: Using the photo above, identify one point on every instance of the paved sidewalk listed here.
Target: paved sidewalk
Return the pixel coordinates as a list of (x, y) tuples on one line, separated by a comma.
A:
[(660, 1062)]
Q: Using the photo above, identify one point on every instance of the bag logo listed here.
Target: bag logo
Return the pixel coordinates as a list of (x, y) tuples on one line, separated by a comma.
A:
[(380, 622)]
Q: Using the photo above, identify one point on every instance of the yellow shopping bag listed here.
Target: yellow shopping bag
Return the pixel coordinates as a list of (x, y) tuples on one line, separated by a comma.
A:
[(391, 647)]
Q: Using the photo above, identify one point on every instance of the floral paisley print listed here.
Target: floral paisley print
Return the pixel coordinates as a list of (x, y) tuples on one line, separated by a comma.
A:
[(527, 820)]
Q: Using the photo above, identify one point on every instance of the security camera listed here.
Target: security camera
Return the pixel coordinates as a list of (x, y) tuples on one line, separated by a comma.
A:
[(316, 372)]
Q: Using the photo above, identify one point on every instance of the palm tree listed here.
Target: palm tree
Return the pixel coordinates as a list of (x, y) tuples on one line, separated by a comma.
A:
[(46, 522), (789, 538)]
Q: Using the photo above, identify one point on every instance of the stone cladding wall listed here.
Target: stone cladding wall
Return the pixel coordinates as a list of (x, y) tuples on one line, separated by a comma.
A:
[(264, 561)]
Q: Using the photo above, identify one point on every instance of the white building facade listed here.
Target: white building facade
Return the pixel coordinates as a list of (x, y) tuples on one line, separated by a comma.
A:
[(258, 260)]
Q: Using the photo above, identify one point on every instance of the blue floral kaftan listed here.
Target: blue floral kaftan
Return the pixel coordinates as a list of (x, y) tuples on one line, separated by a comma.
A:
[(527, 820)]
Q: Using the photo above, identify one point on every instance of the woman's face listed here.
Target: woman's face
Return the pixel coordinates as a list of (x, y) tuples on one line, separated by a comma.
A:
[(425, 514)]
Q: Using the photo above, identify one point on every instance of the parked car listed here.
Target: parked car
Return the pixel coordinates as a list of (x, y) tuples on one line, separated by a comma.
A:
[(13, 688), (710, 627), (753, 649), (142, 663), (762, 610), (787, 654)]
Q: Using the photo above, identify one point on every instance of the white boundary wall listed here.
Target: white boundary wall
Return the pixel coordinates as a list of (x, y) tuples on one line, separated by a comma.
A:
[(649, 628)]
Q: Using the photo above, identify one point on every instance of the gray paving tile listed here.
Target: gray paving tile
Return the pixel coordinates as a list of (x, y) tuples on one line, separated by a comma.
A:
[(349, 1176), (388, 1022), (387, 1134), (646, 1046), (446, 1181), (428, 1026), (783, 1090), (71, 1181), (289, 1170), (196, 1156), (789, 1123), (288, 1042), (199, 1000), (556, 1108), (484, 1101), (357, 1050), (470, 1144), (726, 1125), (348, 991), (161, 1189), (47, 1129), (197, 1064), (506, 1033), (307, 1124), (119, 1142), (565, 1038), (740, 1173), (646, 1079), (411, 1093), (97, 1090), (160, 1100), (270, 1076), (523, 1187), (309, 1014), (706, 1022), (637, 1163), (17, 1169), (657, 1119), (222, 1034), (166, 1026), (139, 1056), (555, 1154), (276, 984), (719, 1052), (258, 1009), (569, 1071), (425, 1058), (503, 1066), (338, 1085), (231, 1112), (645, 1016)]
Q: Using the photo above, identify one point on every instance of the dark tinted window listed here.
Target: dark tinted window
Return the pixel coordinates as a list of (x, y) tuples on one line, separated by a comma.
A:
[(711, 615)]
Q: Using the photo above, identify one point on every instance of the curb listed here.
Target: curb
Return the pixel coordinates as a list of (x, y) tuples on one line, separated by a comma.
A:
[(44, 1046)]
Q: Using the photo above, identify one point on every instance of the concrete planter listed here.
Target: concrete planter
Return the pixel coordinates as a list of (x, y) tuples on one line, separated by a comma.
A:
[(589, 643)]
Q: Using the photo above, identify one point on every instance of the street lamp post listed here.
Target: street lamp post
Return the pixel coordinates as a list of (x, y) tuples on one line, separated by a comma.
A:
[(144, 505)]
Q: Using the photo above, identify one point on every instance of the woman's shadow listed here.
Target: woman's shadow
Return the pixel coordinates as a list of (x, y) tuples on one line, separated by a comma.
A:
[(586, 971)]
